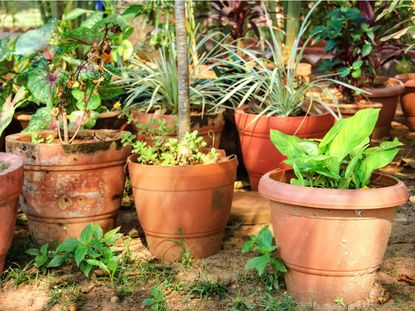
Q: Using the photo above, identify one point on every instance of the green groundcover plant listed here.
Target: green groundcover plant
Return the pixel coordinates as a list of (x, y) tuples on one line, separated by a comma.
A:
[(343, 159)]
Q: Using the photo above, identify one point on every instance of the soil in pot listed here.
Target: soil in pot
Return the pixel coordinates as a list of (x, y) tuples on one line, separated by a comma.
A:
[(209, 125), (69, 186), (11, 181), (183, 207), (259, 154), (408, 99), (332, 240)]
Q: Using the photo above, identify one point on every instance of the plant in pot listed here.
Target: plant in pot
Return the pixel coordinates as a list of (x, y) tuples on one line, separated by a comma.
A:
[(274, 97), (328, 201), (357, 38), (72, 176), (182, 192), (11, 180), (152, 91)]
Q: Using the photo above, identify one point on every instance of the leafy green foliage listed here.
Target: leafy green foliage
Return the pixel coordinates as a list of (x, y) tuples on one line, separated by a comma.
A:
[(92, 251), (342, 159), (167, 151), (262, 244), (157, 302)]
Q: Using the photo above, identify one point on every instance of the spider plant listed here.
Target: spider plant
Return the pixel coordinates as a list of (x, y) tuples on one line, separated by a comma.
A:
[(153, 86), (271, 86)]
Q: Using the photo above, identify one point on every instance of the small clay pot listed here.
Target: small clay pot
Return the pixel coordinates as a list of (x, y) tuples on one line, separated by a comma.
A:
[(408, 99), (183, 207), (259, 154), (389, 97), (209, 125), (11, 181), (331, 240), (68, 186)]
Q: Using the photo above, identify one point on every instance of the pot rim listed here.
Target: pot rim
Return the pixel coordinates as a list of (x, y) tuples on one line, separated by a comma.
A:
[(241, 110), (221, 110), (344, 199), (17, 138), (13, 161), (387, 91), (223, 159)]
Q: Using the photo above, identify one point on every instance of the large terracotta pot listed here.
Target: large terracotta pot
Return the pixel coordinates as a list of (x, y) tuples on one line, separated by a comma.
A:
[(183, 207), (11, 181), (408, 99), (209, 125), (68, 186), (332, 240), (389, 97), (259, 154)]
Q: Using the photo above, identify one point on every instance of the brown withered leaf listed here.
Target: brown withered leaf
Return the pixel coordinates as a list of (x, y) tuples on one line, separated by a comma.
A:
[(406, 279)]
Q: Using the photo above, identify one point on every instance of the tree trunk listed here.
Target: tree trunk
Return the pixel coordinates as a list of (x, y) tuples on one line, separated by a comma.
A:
[(183, 125)]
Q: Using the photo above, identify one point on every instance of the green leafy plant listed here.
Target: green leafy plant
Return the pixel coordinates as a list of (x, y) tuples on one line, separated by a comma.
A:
[(160, 149), (262, 244), (157, 302), (342, 159), (92, 250)]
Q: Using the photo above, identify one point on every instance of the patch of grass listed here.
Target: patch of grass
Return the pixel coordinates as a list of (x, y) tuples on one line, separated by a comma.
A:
[(65, 293), (206, 289), (240, 303), (17, 274), (280, 303)]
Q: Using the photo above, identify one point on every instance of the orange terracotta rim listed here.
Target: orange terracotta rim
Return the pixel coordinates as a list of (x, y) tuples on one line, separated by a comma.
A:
[(405, 77), (396, 89), (390, 192), (244, 110), (13, 162)]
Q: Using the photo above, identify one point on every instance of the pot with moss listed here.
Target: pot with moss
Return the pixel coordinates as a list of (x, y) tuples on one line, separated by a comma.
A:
[(322, 209), (67, 186), (11, 181)]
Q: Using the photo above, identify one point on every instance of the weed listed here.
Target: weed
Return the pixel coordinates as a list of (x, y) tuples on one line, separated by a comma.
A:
[(262, 243), (207, 289), (156, 302), (65, 293), (240, 303), (18, 274), (281, 303), (340, 302)]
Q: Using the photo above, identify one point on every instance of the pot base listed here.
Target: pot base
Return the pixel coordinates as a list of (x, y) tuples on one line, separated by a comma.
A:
[(2, 262), (46, 230), (200, 245)]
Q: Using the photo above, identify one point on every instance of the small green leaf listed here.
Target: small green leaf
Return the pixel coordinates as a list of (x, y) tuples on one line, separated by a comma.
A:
[(258, 263), (357, 73), (86, 234), (344, 72), (68, 245), (80, 254), (367, 48), (57, 261), (357, 64)]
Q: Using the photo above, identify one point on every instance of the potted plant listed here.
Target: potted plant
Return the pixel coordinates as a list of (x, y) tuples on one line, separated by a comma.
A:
[(11, 180), (152, 91), (183, 193), (72, 176), (408, 98), (274, 97), (323, 207), (357, 38)]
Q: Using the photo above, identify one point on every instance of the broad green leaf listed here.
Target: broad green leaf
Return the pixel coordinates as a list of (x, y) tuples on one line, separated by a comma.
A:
[(279, 265), (41, 120), (8, 107), (357, 73), (247, 246), (311, 148), (357, 64), (258, 263), (86, 234), (344, 72), (352, 132), (367, 48), (287, 145), (40, 260), (80, 254), (111, 236), (75, 13), (97, 231), (68, 245), (92, 20), (35, 40), (99, 264), (32, 251), (57, 261), (85, 268), (265, 236)]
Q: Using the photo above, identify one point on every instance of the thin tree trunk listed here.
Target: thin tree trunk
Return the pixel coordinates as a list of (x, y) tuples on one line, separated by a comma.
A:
[(183, 125)]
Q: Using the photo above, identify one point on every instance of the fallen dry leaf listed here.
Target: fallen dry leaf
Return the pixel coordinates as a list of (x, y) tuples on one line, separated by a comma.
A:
[(406, 279)]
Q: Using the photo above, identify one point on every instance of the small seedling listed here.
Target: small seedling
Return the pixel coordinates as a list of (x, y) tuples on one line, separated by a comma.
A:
[(262, 244), (156, 302), (42, 257), (340, 302)]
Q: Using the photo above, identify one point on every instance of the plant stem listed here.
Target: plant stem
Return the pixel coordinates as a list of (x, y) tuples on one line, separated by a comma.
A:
[(183, 70), (292, 24)]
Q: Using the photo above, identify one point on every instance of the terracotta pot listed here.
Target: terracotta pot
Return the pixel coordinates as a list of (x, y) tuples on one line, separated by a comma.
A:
[(332, 240), (389, 98), (259, 154), (107, 120), (68, 186), (11, 181), (408, 99), (209, 126), (183, 205)]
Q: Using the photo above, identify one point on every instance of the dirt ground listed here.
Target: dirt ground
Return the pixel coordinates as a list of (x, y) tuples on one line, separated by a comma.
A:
[(216, 283)]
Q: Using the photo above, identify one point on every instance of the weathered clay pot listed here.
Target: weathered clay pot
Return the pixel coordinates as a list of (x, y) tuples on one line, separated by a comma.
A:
[(259, 154), (11, 181), (332, 240), (209, 126), (183, 207), (69, 186), (389, 97), (408, 99)]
